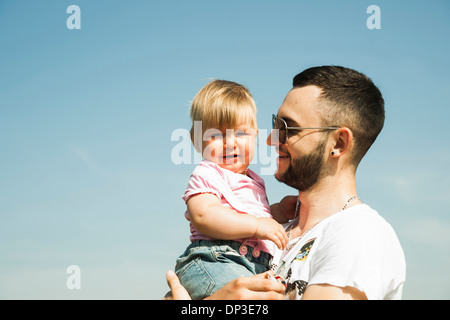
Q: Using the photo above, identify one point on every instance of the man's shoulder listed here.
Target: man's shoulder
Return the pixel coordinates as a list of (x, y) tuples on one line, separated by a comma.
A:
[(358, 221), (361, 214)]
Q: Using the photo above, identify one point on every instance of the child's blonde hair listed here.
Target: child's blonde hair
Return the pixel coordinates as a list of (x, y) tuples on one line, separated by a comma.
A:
[(223, 102)]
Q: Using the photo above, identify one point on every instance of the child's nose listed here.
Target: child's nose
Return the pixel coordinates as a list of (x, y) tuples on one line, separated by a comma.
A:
[(230, 140)]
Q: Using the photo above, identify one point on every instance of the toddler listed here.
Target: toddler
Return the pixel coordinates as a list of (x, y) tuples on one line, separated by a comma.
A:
[(232, 229)]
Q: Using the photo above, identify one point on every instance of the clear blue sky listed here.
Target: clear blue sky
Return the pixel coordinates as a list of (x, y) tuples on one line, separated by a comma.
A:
[(86, 118)]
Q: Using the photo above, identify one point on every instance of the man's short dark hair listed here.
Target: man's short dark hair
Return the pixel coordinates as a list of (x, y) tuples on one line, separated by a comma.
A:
[(349, 99)]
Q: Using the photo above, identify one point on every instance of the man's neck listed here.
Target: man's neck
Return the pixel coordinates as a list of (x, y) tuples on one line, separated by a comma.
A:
[(325, 199)]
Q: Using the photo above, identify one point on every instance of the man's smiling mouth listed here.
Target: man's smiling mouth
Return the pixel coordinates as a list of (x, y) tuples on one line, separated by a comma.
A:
[(283, 155)]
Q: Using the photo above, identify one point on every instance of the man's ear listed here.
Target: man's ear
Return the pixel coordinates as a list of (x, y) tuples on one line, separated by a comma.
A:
[(343, 142)]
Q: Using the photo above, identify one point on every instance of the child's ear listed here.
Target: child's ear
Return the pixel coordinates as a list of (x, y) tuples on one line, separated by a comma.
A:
[(196, 139)]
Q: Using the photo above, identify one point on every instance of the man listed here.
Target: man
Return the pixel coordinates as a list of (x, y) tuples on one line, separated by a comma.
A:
[(339, 247)]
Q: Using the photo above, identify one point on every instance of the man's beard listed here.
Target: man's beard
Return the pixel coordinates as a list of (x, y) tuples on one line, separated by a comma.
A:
[(305, 171)]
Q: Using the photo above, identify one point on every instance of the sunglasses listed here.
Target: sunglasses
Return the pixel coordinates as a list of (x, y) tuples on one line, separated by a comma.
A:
[(281, 127)]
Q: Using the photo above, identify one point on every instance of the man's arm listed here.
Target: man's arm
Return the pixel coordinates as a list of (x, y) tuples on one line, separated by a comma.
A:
[(259, 287), (248, 288), (329, 292)]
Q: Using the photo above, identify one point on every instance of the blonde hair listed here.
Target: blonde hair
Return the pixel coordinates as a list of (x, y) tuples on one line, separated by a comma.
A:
[(223, 102)]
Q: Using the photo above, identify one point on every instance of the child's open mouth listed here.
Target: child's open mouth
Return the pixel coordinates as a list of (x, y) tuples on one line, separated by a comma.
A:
[(231, 157)]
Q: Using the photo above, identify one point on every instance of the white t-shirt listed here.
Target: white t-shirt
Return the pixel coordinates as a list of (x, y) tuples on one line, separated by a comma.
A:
[(355, 247)]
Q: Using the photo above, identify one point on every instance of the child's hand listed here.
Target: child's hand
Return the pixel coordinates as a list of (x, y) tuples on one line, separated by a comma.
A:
[(271, 230), (287, 207)]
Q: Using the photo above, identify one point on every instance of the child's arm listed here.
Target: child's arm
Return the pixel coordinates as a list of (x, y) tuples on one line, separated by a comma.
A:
[(284, 210), (211, 218)]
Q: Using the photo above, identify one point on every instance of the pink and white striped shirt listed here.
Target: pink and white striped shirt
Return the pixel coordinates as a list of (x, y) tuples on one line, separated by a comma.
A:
[(245, 194)]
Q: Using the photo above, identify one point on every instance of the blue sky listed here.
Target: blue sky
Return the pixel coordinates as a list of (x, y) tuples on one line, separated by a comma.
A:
[(87, 176)]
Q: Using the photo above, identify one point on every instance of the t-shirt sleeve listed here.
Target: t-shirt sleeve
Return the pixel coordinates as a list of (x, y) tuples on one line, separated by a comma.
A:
[(358, 253), (200, 184)]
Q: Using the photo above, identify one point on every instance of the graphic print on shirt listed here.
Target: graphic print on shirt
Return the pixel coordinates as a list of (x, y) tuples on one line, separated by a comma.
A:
[(304, 251), (297, 288)]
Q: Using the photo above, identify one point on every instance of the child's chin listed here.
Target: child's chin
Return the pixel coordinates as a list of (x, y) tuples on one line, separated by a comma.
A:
[(235, 167)]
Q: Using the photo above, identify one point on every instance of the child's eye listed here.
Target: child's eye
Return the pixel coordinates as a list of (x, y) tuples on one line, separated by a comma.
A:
[(212, 134), (241, 133), (215, 136)]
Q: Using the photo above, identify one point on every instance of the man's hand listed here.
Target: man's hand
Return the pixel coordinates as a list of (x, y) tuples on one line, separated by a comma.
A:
[(287, 207), (250, 288), (178, 292), (258, 287)]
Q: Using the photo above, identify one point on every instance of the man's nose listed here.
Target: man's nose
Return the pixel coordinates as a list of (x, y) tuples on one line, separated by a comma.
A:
[(272, 139)]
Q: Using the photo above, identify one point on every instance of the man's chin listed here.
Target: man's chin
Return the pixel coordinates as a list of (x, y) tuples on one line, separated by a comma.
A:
[(279, 175), (282, 168), (287, 178)]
